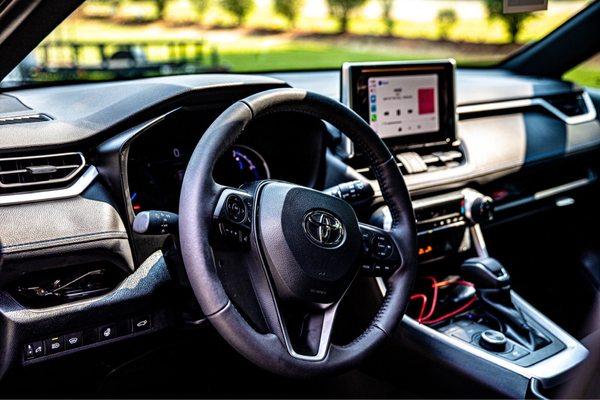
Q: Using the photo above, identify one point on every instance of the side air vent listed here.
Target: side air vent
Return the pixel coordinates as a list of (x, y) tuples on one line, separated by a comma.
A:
[(21, 119), (570, 104), (49, 170)]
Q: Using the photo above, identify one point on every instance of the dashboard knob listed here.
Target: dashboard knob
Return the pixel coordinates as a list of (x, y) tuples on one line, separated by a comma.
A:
[(493, 340), (478, 207), (482, 209)]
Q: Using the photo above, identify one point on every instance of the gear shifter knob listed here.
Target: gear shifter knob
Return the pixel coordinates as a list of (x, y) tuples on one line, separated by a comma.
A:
[(485, 273)]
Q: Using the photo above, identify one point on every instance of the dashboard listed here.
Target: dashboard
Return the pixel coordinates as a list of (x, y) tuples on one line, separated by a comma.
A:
[(135, 139)]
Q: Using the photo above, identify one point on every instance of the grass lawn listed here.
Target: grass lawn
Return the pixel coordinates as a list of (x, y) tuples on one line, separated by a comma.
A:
[(584, 76), (309, 55)]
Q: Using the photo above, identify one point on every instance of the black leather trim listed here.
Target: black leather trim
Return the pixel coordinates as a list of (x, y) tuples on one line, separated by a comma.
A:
[(87, 226)]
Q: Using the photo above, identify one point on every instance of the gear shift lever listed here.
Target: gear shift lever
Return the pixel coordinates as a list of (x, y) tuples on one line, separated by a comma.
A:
[(492, 283), (491, 279)]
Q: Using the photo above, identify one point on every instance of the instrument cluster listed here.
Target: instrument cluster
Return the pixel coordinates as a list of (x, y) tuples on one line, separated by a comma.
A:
[(273, 149)]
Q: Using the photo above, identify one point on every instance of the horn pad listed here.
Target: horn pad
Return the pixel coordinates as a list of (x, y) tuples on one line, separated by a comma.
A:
[(310, 240)]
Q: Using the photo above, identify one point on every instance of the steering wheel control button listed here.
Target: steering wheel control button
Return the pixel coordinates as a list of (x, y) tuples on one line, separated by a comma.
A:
[(54, 345), (73, 340), (493, 340), (235, 208), (382, 247), (142, 323), (367, 269), (248, 203), (34, 350)]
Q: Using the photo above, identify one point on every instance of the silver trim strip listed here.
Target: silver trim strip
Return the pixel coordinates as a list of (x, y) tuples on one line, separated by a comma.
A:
[(324, 340), (543, 194), (478, 241), (537, 101), (74, 190), (24, 117), (437, 200), (547, 193)]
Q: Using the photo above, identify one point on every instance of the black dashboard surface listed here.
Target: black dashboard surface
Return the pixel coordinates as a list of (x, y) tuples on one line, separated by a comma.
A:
[(81, 111), (473, 86), (85, 115)]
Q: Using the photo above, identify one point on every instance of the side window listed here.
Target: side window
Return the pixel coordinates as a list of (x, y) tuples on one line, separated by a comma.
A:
[(586, 73)]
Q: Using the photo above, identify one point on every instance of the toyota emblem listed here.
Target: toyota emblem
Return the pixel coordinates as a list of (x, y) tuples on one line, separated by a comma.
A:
[(324, 229)]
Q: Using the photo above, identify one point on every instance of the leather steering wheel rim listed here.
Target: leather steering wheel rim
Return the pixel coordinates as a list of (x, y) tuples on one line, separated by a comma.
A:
[(196, 210)]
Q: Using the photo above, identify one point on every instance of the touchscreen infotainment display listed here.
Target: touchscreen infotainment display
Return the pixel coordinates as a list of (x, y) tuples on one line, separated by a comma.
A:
[(406, 103)]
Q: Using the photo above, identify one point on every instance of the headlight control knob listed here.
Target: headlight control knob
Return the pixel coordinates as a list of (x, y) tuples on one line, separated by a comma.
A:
[(479, 208)]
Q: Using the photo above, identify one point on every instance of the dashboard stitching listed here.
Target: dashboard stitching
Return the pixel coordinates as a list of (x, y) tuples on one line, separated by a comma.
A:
[(98, 235)]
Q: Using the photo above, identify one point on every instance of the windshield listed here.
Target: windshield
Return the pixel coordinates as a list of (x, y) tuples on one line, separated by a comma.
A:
[(114, 39)]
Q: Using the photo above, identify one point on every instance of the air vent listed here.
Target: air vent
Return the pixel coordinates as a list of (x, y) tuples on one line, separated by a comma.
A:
[(570, 104), (21, 119), (50, 170)]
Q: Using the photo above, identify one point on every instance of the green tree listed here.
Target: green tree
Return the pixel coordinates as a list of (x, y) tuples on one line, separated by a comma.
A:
[(200, 6), (386, 14), (288, 9), (239, 8), (160, 8), (340, 10), (446, 19), (513, 22)]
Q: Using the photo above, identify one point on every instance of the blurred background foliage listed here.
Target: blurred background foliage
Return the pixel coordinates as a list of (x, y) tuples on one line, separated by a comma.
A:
[(259, 35)]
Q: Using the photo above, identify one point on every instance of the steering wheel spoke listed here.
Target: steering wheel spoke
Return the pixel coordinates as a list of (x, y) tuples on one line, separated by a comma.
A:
[(307, 332), (380, 256)]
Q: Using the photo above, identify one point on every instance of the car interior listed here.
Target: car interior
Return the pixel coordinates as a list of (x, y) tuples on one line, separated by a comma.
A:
[(385, 229)]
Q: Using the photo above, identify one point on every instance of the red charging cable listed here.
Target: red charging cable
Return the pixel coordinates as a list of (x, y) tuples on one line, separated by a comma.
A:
[(435, 285), (423, 298), (452, 313)]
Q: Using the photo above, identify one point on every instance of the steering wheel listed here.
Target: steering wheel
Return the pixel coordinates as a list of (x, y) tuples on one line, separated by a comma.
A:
[(300, 248)]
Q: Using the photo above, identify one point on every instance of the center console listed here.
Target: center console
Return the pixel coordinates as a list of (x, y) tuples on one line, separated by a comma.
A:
[(467, 312)]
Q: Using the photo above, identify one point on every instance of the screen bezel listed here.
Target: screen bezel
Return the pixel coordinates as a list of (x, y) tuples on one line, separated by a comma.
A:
[(356, 97)]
